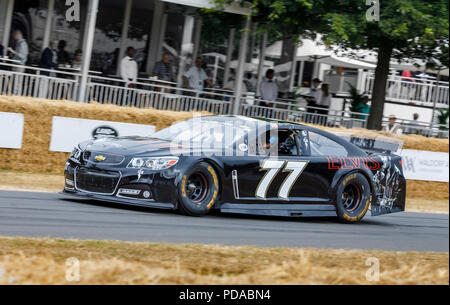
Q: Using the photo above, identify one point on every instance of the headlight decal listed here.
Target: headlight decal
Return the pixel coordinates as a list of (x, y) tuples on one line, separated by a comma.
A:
[(153, 163)]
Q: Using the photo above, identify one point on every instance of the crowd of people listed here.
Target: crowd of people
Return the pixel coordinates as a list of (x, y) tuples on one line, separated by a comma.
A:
[(55, 56), (52, 57)]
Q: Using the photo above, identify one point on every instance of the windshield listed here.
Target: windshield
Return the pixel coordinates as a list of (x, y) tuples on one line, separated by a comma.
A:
[(201, 132)]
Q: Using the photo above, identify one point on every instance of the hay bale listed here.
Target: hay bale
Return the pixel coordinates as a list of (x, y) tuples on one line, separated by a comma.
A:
[(427, 190), (35, 155)]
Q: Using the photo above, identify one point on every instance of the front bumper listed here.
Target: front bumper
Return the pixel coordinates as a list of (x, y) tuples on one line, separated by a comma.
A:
[(77, 195), (121, 185)]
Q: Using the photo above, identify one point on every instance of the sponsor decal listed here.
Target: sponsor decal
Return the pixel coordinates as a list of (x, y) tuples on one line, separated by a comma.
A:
[(336, 163), (139, 174), (210, 204), (104, 132), (183, 187), (213, 174), (243, 147), (349, 178), (100, 158)]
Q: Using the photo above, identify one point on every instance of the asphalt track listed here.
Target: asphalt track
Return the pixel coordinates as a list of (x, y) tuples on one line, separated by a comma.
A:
[(45, 215)]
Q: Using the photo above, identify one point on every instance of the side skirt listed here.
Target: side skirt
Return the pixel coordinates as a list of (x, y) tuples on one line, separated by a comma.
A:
[(283, 210)]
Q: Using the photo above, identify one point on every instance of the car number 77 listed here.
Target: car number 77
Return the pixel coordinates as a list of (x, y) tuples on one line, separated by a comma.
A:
[(273, 167)]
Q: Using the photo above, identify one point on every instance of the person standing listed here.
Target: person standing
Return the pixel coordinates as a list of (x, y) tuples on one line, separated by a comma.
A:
[(129, 68), (63, 55), (323, 102), (49, 59), (20, 53), (77, 59), (414, 127), (312, 99), (363, 107), (268, 89), (163, 70), (196, 76)]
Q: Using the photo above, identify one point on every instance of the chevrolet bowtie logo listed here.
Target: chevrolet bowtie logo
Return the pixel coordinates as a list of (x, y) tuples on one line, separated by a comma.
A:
[(100, 158)]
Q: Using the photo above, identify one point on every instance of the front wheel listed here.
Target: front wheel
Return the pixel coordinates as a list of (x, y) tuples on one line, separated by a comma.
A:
[(198, 190), (353, 198)]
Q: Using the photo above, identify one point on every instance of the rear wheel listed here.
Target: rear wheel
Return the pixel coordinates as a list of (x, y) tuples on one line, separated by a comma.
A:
[(199, 190), (353, 198)]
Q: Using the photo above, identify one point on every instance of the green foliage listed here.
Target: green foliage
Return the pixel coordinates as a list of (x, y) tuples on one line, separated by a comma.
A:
[(355, 99), (414, 28), (283, 19), (442, 118)]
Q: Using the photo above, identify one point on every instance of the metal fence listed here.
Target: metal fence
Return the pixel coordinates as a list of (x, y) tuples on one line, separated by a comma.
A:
[(402, 89), (31, 82), (153, 95), (420, 128), (23, 83), (293, 111)]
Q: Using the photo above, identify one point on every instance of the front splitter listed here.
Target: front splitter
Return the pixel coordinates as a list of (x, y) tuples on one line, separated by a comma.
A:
[(76, 195)]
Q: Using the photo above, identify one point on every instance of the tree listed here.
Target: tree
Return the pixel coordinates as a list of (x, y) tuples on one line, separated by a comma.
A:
[(406, 29)]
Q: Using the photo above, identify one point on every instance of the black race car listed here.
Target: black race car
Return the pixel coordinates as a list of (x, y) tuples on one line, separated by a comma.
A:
[(239, 165)]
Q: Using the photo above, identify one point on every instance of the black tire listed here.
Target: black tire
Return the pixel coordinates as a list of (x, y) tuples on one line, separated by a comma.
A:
[(198, 190), (353, 197)]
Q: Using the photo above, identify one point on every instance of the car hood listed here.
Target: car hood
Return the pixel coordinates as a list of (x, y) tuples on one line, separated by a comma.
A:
[(135, 146)]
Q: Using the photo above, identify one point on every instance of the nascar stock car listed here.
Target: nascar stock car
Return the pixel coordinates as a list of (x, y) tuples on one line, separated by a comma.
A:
[(240, 165)]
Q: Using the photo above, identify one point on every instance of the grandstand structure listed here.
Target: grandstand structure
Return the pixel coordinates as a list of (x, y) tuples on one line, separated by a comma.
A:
[(106, 28)]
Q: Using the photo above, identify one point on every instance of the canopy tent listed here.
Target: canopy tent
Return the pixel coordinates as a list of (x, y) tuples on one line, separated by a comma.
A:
[(307, 48), (414, 64), (253, 66), (222, 58), (311, 50), (315, 50), (337, 61)]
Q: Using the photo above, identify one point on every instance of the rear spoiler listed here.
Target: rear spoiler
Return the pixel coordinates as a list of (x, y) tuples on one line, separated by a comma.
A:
[(373, 144)]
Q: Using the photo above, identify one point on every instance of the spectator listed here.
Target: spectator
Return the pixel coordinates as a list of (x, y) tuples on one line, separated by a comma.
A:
[(63, 55), (49, 59), (323, 101), (195, 77), (392, 127), (2, 50), (312, 99), (163, 69), (268, 89), (20, 53), (407, 76), (250, 82), (414, 126), (324, 98), (129, 68), (314, 93), (77, 59), (363, 107)]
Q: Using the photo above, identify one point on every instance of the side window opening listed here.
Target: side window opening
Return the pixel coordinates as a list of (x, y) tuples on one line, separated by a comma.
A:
[(324, 146), (283, 142)]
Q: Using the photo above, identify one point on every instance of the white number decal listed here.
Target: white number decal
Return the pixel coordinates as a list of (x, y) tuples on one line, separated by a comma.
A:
[(273, 167)]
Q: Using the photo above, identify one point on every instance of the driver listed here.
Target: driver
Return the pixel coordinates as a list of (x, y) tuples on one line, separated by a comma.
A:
[(286, 144)]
